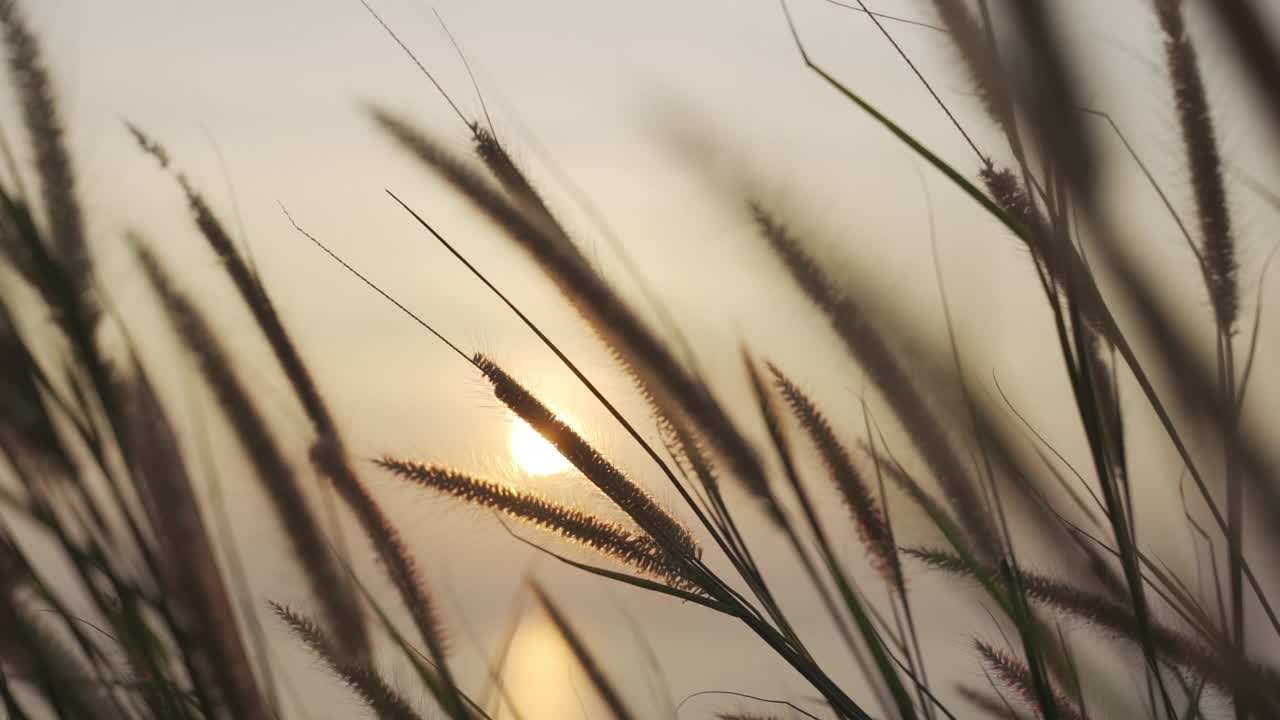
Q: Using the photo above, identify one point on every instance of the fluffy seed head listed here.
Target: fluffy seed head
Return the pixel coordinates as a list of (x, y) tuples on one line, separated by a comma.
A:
[(1016, 676), (628, 496), (862, 504), (637, 550)]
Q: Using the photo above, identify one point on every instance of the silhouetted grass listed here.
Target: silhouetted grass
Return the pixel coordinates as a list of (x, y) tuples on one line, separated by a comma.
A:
[(95, 476)]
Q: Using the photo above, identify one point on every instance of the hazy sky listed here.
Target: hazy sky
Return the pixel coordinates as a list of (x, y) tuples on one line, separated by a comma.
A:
[(264, 104)]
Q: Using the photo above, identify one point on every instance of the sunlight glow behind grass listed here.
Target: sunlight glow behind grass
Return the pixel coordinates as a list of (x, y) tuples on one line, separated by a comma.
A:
[(532, 452)]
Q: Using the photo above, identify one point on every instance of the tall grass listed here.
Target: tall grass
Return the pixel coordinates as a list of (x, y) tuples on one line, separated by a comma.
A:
[(131, 610)]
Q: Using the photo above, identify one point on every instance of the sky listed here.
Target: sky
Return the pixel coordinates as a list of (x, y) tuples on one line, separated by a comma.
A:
[(662, 113)]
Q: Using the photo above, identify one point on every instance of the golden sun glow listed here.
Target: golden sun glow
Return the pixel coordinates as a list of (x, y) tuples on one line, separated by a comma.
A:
[(532, 452)]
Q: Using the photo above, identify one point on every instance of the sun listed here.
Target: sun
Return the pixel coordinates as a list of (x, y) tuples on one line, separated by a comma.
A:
[(532, 452)]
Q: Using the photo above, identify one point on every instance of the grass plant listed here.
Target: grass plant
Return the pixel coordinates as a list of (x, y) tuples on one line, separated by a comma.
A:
[(96, 485)]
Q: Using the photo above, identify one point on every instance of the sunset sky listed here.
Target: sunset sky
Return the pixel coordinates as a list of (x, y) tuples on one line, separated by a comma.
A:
[(664, 113)]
